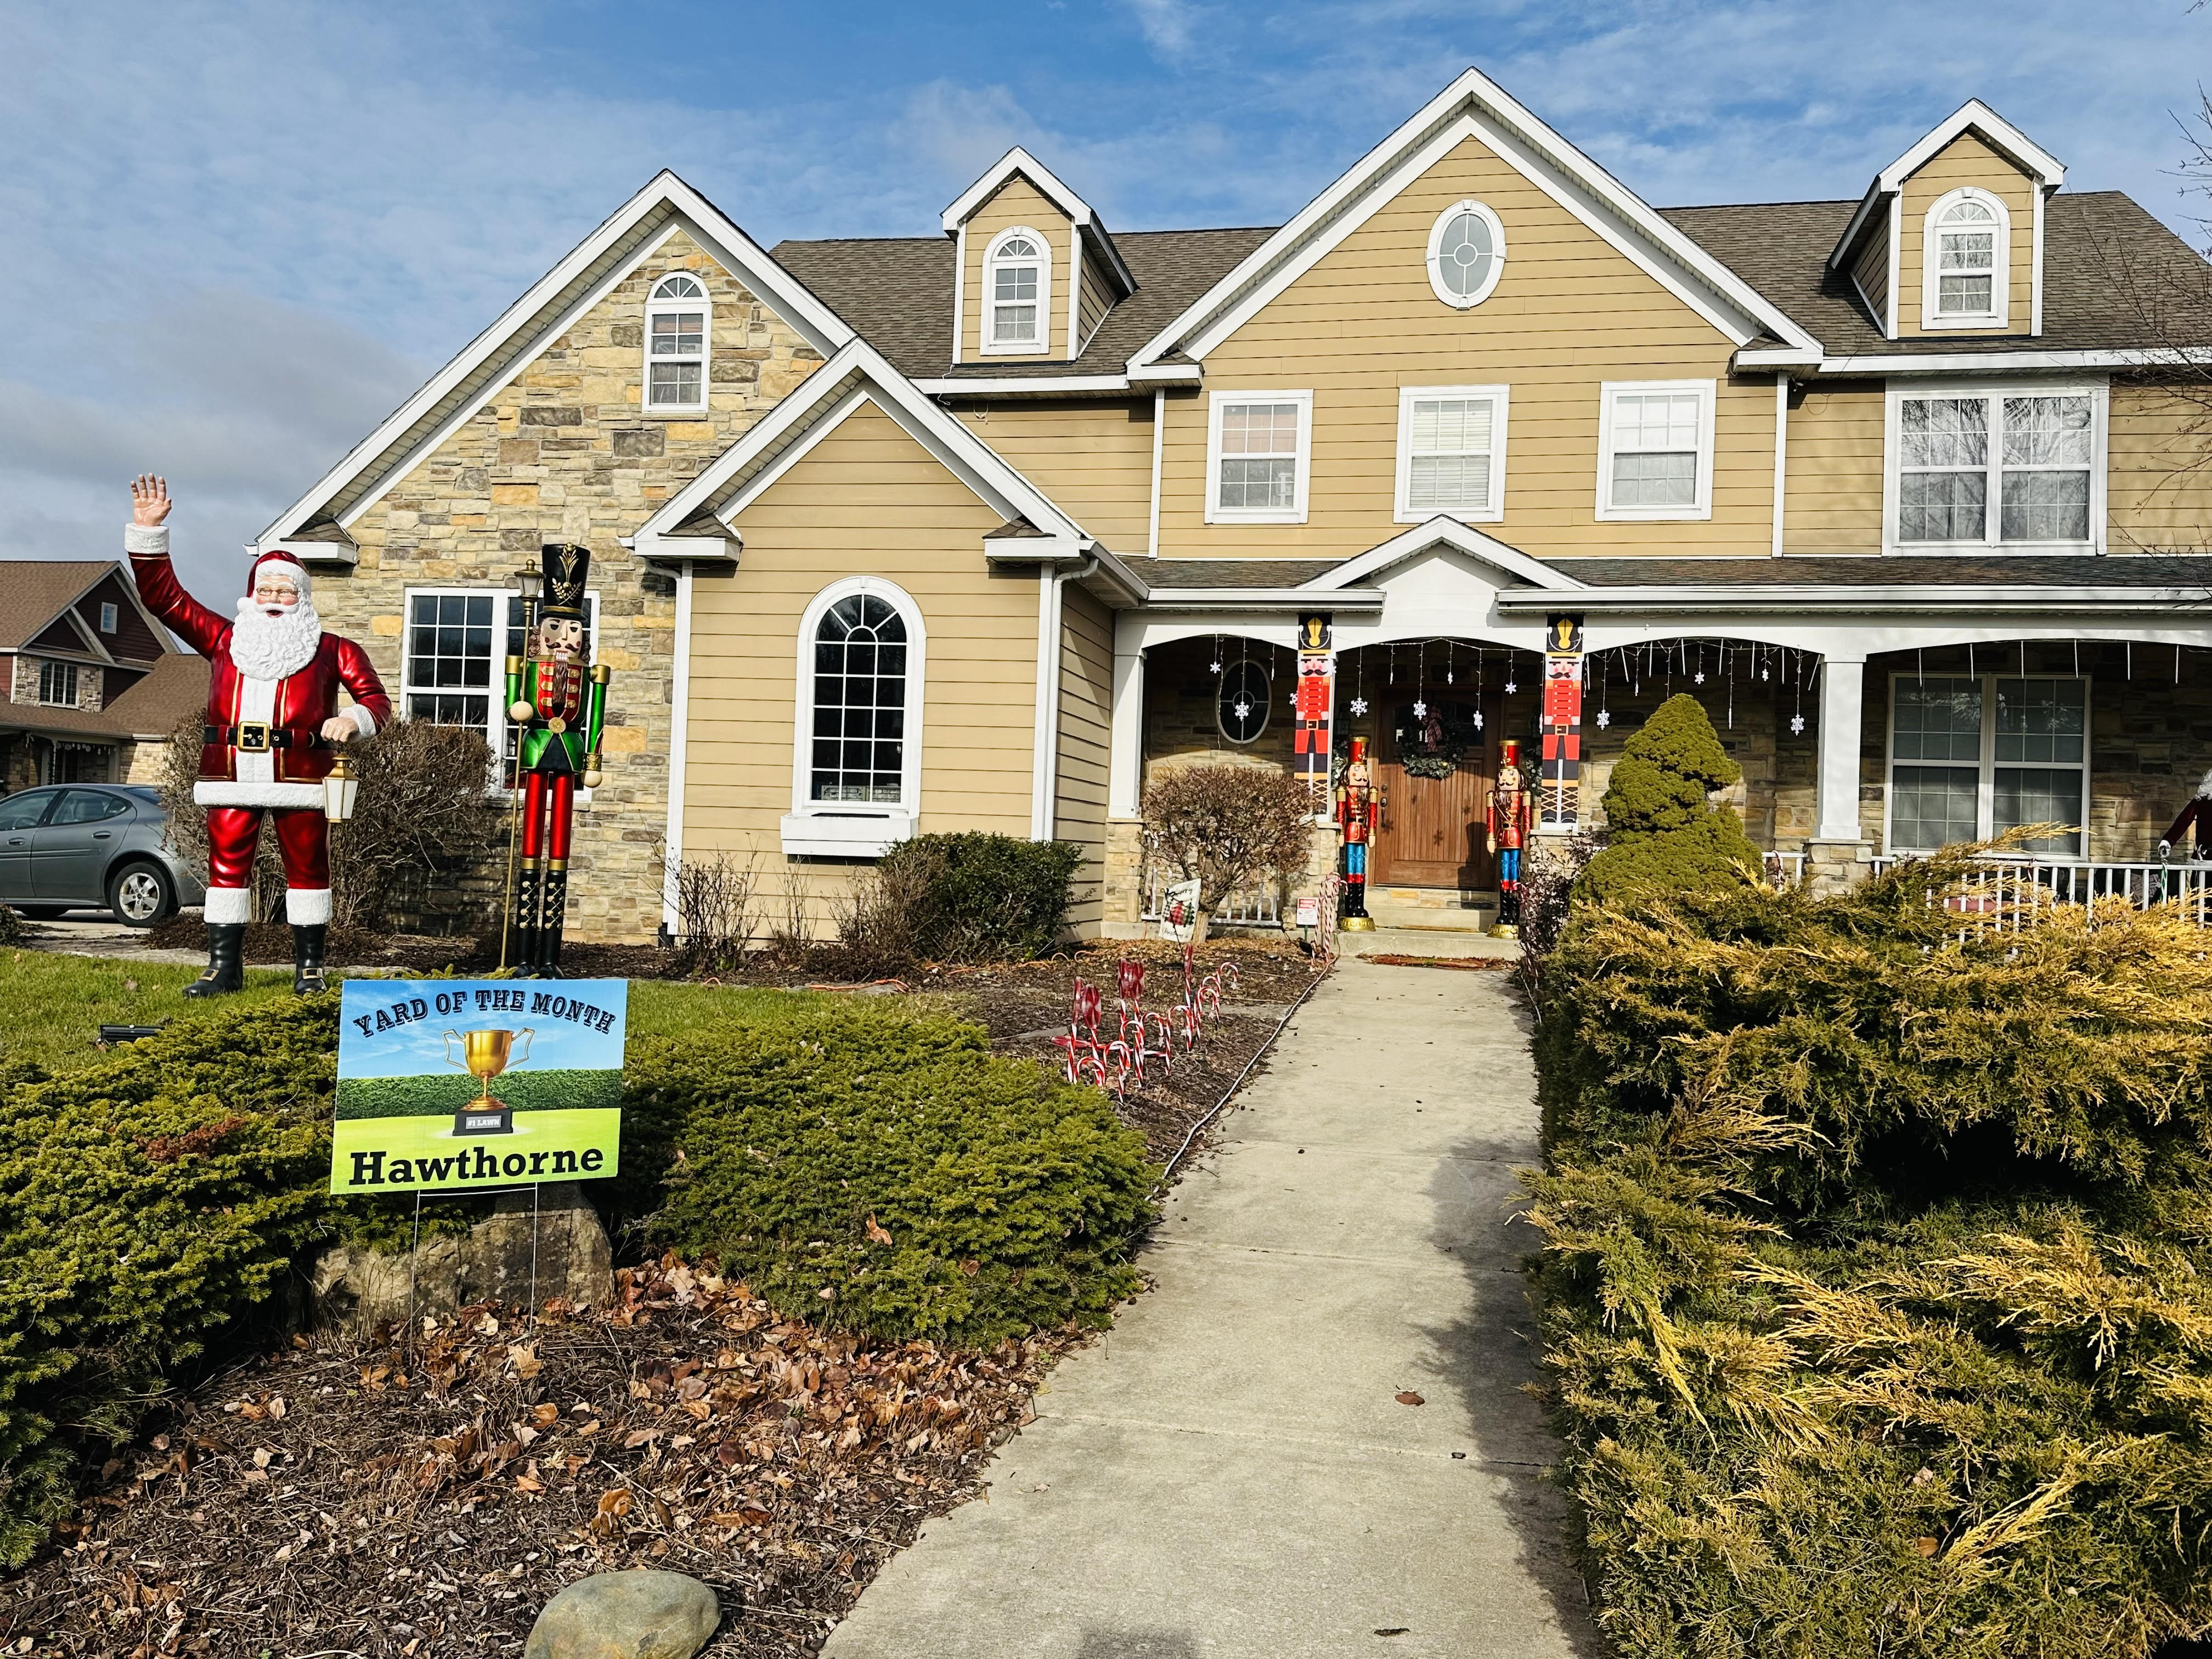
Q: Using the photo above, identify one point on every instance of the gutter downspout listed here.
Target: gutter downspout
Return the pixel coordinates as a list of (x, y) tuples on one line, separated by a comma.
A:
[(1045, 773)]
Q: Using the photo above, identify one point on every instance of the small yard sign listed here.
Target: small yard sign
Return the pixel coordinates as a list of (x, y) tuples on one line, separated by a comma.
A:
[(1179, 912), (446, 1084)]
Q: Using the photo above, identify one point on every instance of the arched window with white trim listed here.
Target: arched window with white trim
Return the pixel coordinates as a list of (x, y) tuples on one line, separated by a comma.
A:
[(1017, 291), (1965, 261), (678, 318), (856, 778)]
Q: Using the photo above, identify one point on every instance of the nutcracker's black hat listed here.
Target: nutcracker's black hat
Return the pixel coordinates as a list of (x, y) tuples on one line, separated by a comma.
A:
[(567, 568)]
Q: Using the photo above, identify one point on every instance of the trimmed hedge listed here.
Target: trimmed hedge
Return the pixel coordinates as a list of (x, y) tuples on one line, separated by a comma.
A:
[(1877, 1282), (879, 1170), (986, 897)]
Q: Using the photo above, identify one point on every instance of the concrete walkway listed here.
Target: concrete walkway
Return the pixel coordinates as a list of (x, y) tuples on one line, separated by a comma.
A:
[(1229, 1473)]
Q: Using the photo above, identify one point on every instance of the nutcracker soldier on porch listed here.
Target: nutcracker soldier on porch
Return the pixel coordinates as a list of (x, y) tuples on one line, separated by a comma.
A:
[(271, 738), (1507, 823), (559, 701), (1358, 815)]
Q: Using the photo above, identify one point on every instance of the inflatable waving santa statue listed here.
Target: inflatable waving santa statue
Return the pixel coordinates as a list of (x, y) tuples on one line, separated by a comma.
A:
[(273, 728)]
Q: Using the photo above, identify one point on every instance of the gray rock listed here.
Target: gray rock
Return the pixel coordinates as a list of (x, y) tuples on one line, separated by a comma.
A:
[(359, 1289), (626, 1615)]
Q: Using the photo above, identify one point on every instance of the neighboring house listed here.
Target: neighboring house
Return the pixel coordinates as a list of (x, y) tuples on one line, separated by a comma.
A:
[(93, 684), (970, 531)]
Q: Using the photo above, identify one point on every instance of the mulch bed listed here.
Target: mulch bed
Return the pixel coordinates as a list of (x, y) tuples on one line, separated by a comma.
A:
[(336, 1500)]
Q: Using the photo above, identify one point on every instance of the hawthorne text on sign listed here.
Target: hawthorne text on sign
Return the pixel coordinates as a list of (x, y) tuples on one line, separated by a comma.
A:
[(450, 1084)]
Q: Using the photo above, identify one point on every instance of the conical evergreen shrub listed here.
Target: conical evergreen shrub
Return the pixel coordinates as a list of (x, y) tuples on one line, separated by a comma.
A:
[(1661, 831)]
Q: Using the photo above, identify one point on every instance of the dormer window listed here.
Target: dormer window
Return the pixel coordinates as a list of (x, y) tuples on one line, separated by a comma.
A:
[(1017, 291), (677, 315), (1966, 254)]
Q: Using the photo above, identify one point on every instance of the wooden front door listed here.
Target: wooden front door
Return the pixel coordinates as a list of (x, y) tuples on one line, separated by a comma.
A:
[(1432, 834)]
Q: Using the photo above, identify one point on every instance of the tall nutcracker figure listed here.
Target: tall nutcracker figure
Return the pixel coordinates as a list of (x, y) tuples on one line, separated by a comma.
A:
[(272, 731), (1510, 816), (560, 702), (1359, 816)]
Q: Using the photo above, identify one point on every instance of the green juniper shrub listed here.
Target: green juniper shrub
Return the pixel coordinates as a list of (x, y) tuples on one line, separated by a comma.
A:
[(1661, 832), (11, 926), (1876, 1286), (857, 1177)]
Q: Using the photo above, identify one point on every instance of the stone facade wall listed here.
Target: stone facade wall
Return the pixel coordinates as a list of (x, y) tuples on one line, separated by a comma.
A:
[(89, 688), (565, 452)]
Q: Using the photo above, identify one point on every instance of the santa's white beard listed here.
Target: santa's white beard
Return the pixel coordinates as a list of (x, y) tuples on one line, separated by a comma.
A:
[(266, 648)]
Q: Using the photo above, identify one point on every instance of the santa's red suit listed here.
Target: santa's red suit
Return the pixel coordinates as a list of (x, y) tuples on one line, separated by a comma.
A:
[(264, 750)]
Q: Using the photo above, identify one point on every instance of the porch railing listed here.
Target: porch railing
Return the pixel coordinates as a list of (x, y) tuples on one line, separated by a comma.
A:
[(1786, 869), (1260, 908), (2008, 890)]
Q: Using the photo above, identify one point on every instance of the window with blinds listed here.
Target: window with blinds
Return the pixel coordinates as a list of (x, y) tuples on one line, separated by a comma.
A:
[(1451, 453)]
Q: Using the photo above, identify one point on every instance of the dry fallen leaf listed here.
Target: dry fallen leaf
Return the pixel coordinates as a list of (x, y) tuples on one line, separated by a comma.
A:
[(1926, 1546), (877, 1235), (276, 1407), (1407, 1397)]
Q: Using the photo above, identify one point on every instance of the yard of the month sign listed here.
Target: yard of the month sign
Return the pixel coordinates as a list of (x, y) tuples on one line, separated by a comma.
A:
[(449, 1084)]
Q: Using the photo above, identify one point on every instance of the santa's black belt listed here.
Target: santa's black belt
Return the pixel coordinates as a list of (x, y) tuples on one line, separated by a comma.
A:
[(258, 738)]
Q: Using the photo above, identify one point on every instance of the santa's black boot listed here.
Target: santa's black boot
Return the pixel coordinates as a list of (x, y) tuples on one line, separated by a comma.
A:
[(225, 968), (308, 941)]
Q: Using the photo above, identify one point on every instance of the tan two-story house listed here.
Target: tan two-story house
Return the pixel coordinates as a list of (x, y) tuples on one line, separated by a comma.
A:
[(975, 529)]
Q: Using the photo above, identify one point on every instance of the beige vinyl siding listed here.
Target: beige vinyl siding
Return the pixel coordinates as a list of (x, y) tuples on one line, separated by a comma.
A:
[(1087, 696), (2160, 484), (1093, 303), (866, 501), (1093, 459), (1018, 202), (1832, 502), (1569, 312), (1870, 270), (1967, 160)]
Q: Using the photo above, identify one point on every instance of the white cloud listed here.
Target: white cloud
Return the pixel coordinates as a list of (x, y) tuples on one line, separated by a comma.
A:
[(1165, 25)]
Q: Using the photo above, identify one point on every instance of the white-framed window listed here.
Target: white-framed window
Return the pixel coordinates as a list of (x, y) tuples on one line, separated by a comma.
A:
[(110, 616), (1965, 258), (452, 669), (1973, 755), (1257, 449), (856, 759), (1467, 254), (1654, 450), (678, 328), (1451, 453), (1242, 701), (1017, 291), (2019, 467), (57, 685)]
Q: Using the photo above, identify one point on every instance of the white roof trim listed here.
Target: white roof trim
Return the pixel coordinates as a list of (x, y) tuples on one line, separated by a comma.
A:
[(985, 385), (1862, 597), (2049, 172), (1019, 161), (1547, 159), (1972, 362), (859, 373), (478, 371), (1442, 531), (1248, 598)]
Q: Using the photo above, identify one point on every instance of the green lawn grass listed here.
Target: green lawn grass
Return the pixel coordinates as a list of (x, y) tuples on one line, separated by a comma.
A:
[(52, 1005)]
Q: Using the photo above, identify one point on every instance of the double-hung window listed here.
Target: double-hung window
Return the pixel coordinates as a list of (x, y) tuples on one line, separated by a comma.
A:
[(1654, 450), (1973, 756), (1990, 468), (1451, 453), (1966, 248), (57, 685), (453, 671), (1258, 445), (1017, 291), (677, 317)]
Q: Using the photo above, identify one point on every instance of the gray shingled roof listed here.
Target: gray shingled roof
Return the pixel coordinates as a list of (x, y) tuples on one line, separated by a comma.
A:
[(1227, 573), (34, 592), (1782, 248), (897, 292)]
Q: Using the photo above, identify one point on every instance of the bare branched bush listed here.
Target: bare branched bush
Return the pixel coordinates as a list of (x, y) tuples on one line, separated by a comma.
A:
[(879, 922), (716, 913), (1228, 825), (791, 934)]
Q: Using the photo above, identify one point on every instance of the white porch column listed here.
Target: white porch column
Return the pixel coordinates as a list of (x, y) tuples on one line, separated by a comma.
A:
[(1837, 854), (1125, 762)]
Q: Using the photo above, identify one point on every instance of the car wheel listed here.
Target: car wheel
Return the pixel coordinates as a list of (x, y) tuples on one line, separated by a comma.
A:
[(140, 895)]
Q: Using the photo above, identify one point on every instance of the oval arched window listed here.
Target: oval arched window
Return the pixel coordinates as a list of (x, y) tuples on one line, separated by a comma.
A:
[(1242, 702), (1467, 253)]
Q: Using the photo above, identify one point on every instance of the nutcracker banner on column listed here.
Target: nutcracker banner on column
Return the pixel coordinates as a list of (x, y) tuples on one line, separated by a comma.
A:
[(449, 1084), (1316, 703), (1563, 721)]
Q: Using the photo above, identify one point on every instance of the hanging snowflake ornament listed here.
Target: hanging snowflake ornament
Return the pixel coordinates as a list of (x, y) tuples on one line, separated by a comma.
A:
[(1216, 667), (1510, 688), (1420, 709), (1242, 709), (1477, 720), (1358, 706), (1797, 725), (1604, 717), (1700, 678)]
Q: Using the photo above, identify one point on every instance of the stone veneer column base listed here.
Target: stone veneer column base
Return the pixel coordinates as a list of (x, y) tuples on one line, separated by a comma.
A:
[(1837, 867)]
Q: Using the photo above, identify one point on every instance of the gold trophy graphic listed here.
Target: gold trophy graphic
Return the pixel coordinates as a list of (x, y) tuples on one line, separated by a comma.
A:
[(485, 1055)]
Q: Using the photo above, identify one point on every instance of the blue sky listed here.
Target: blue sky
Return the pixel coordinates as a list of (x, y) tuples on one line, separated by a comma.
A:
[(236, 236)]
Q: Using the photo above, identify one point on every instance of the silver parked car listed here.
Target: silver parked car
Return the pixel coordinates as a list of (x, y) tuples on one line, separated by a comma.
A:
[(88, 845)]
